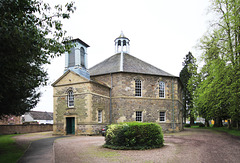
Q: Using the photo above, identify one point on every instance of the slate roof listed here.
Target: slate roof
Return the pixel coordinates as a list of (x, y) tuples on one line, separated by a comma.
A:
[(131, 64), (38, 115)]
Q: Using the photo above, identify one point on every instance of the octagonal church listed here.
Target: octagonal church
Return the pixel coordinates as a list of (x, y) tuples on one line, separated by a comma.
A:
[(121, 88)]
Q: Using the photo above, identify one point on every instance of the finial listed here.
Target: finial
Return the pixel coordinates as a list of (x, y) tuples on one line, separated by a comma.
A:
[(121, 35)]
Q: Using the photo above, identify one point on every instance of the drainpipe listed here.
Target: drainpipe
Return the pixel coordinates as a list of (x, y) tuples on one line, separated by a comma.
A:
[(110, 94), (173, 120)]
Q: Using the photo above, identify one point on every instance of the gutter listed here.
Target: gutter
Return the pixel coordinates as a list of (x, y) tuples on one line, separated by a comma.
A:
[(173, 119), (110, 94)]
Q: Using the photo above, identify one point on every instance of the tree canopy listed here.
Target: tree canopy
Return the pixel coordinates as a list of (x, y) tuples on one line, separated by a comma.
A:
[(31, 32), (217, 95)]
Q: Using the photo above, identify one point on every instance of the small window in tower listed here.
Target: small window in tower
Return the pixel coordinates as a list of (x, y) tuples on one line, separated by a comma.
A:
[(70, 99), (71, 58), (124, 43), (138, 87), (82, 53), (119, 42)]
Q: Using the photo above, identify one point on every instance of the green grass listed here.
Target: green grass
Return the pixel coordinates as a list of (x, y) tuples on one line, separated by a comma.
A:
[(10, 152), (232, 131)]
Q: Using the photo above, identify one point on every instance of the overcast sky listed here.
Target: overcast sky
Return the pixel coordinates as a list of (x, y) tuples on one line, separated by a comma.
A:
[(161, 33)]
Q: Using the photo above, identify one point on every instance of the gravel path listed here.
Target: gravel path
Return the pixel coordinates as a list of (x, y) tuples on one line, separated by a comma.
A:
[(191, 145)]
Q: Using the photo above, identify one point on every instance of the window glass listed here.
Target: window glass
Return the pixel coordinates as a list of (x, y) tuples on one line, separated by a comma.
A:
[(139, 116), (70, 99), (99, 116), (162, 89), (71, 58), (82, 53), (162, 117), (138, 87)]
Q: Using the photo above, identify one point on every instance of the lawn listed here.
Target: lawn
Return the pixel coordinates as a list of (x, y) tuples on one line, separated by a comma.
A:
[(232, 131), (9, 150)]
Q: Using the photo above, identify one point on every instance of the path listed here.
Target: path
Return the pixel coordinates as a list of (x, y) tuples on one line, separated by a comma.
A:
[(40, 151), (191, 145)]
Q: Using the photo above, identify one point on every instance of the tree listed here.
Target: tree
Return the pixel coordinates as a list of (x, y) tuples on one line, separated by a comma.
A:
[(30, 35), (218, 94), (185, 74)]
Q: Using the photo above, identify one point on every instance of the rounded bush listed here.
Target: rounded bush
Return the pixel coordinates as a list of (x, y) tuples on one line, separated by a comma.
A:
[(134, 135)]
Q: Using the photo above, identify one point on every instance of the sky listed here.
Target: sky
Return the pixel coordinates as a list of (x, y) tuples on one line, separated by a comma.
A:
[(161, 33)]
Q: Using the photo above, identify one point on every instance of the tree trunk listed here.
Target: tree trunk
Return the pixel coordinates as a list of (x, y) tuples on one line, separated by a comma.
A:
[(218, 122), (238, 126), (229, 124), (206, 123), (191, 119)]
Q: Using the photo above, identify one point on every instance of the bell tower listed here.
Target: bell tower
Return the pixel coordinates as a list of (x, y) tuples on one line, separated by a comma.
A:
[(77, 59), (122, 46)]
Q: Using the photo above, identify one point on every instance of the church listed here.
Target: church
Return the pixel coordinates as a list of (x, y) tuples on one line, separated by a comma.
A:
[(122, 88)]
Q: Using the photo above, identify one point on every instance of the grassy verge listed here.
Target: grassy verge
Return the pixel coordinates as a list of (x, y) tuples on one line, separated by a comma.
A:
[(9, 150), (232, 131)]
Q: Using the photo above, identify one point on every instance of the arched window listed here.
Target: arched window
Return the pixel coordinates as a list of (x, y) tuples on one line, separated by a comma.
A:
[(162, 89), (138, 87), (70, 99), (71, 58), (119, 43), (82, 53), (124, 43)]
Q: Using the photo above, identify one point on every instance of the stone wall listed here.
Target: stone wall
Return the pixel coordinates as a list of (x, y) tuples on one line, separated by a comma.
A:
[(89, 97), (123, 84), (125, 104), (22, 129)]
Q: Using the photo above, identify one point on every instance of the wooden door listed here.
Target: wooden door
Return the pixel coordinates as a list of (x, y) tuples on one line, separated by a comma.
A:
[(70, 125)]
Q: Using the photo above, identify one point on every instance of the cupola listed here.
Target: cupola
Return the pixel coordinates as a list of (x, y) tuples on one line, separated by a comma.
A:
[(77, 59), (122, 44)]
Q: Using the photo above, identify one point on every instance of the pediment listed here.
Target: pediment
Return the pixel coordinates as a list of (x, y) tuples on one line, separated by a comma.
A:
[(69, 77)]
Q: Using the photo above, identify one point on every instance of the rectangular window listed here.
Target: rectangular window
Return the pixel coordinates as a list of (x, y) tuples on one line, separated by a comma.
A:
[(138, 87), (99, 116), (162, 89), (162, 116), (139, 116)]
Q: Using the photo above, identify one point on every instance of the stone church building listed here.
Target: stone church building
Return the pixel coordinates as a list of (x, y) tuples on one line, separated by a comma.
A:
[(121, 88)]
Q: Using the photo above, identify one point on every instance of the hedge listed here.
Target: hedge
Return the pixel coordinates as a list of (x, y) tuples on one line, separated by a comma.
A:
[(134, 135)]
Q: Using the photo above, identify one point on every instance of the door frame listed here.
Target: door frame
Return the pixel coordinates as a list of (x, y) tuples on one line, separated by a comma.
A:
[(65, 124)]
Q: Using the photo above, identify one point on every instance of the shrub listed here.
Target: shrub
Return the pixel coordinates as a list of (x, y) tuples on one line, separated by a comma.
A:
[(201, 125), (134, 135), (187, 125)]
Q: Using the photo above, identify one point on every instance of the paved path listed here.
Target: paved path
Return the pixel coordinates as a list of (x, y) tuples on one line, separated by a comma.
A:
[(40, 151)]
